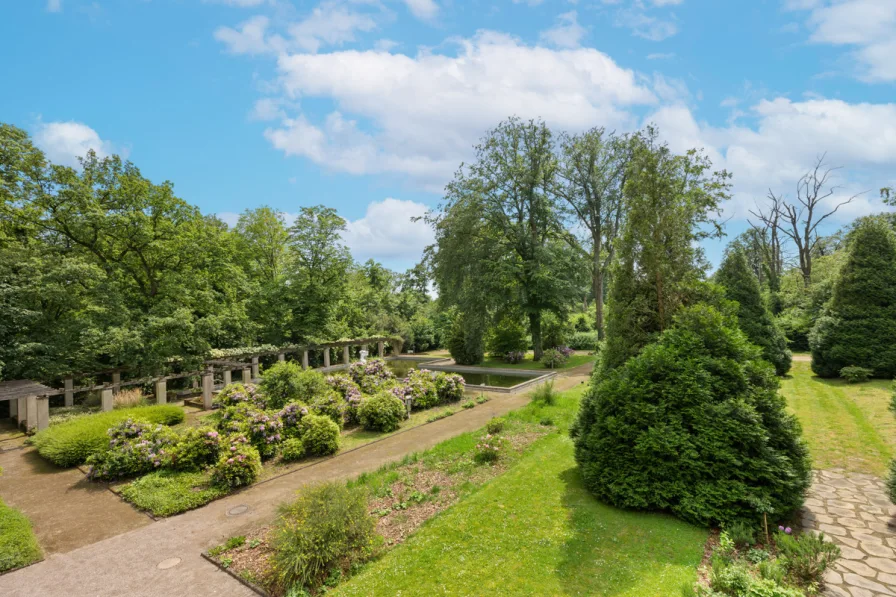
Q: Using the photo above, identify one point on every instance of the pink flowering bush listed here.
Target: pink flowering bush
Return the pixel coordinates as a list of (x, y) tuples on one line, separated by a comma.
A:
[(488, 449), (351, 394), (371, 375), (553, 358), (135, 448), (237, 393), (234, 419), (265, 432), (449, 387), (420, 387), (196, 449), (515, 356), (291, 416), (382, 412), (329, 404), (565, 351), (238, 465)]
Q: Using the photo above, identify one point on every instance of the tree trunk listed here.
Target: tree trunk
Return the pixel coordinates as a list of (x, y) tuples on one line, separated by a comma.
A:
[(535, 328), (599, 303)]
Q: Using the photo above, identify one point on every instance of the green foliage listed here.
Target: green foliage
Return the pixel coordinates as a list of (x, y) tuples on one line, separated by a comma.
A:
[(134, 448), (495, 426), (693, 424), (856, 374), (449, 387), (553, 358), (584, 341), (320, 435), (196, 449), (555, 330), (329, 404), (488, 449), (236, 394), (860, 323), (545, 394), (465, 340), (285, 381), (420, 387), (239, 464), (507, 335), (18, 545), (891, 482), (327, 526), (381, 412), (754, 319), (806, 557), (72, 442), (168, 492), (742, 533), (293, 449)]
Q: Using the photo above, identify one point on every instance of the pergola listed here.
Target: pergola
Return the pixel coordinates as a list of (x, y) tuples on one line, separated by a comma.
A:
[(29, 402)]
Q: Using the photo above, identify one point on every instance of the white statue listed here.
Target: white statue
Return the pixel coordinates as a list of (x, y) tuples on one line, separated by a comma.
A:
[(364, 354)]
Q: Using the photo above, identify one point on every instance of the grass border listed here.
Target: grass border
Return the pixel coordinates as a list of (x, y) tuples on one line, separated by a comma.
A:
[(242, 580)]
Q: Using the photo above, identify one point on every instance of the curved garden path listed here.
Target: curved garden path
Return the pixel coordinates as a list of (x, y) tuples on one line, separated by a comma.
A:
[(135, 563)]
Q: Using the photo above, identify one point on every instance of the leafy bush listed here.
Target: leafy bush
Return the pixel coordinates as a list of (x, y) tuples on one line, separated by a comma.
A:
[(515, 356), (741, 533), (545, 394), (806, 557), (754, 319), (488, 449), (135, 448), (287, 382), (449, 387), (235, 419), (197, 448), (420, 386), (555, 330), (327, 526), (382, 412), (584, 341), (344, 386), (72, 442), (18, 545), (167, 492), (239, 464), (565, 350), (265, 432), (507, 335), (891, 482), (329, 404), (855, 374), (553, 358), (236, 394), (495, 426), (582, 324), (371, 375), (320, 435), (464, 339), (293, 449), (291, 417), (693, 424), (860, 322)]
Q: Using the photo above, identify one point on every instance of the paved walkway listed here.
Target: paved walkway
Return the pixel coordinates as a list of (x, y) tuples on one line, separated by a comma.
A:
[(854, 510), (128, 564)]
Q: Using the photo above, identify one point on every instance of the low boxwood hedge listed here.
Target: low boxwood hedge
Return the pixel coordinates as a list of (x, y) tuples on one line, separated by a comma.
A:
[(18, 546)]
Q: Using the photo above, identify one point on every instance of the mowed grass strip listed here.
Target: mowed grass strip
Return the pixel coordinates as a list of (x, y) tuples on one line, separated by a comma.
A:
[(847, 426), (535, 530), (527, 363)]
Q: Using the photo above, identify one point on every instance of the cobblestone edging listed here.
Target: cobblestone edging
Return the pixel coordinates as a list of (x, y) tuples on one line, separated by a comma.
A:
[(854, 511)]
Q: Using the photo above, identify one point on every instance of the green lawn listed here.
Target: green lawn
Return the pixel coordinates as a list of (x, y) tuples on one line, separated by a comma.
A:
[(18, 545), (574, 361), (847, 426), (535, 531)]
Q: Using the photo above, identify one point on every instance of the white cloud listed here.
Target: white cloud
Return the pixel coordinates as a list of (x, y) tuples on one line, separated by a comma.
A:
[(865, 25), (65, 142), (54, 5), (423, 113), (240, 3), (666, 2), (387, 232), (529, 2), (422, 9), (645, 25), (567, 33), (661, 56), (250, 37)]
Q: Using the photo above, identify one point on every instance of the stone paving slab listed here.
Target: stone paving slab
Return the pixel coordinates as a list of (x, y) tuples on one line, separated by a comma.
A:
[(853, 510)]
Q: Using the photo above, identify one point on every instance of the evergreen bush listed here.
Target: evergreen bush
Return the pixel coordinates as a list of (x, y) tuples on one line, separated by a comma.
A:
[(286, 381), (320, 435), (381, 412)]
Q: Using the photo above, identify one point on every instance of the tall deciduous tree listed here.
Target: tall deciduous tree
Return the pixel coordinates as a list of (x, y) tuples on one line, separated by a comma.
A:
[(591, 177), (672, 201)]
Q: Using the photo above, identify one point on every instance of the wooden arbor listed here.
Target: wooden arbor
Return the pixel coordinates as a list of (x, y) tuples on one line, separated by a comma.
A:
[(29, 402)]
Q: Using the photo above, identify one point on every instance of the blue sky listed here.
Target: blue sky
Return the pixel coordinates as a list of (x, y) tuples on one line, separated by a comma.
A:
[(369, 106)]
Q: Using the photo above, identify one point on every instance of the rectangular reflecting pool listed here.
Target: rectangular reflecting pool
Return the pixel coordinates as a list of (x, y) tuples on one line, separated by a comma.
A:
[(476, 378)]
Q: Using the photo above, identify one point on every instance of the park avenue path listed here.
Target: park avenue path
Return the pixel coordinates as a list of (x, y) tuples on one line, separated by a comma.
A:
[(135, 563)]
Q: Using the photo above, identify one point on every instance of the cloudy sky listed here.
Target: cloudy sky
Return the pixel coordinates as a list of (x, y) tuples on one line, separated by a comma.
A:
[(369, 106)]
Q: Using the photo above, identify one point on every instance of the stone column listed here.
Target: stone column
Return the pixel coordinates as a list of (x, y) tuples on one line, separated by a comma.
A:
[(21, 411), (43, 412), (247, 376), (254, 367), (304, 359), (326, 357), (208, 381), (14, 410), (228, 377), (31, 415), (69, 391), (345, 355), (161, 391), (281, 356), (116, 382), (107, 400), (381, 349)]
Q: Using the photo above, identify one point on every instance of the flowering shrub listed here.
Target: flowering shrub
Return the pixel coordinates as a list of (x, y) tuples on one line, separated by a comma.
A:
[(320, 435), (352, 403), (350, 392), (553, 358), (239, 464), (449, 387), (420, 386), (382, 412), (237, 393), (515, 356), (370, 375), (291, 416), (329, 404), (565, 350), (235, 419), (265, 432), (197, 448), (135, 448), (488, 449), (293, 449)]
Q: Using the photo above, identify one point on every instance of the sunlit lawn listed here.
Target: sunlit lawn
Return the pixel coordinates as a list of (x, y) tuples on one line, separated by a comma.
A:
[(576, 360), (847, 426)]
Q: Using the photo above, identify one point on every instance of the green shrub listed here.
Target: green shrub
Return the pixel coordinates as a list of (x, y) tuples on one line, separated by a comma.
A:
[(168, 492), (855, 374), (285, 382), (730, 579), (326, 527), (806, 557), (382, 412), (771, 570), (555, 330), (488, 449), (496, 425), (468, 404), (420, 386), (891, 482), (320, 435), (329, 404), (693, 424), (236, 394), (584, 341), (449, 387), (72, 442), (754, 319), (293, 449), (239, 464), (291, 417), (196, 448), (507, 335), (18, 545), (742, 533), (465, 339), (545, 394), (371, 375), (860, 321), (553, 358), (135, 448)]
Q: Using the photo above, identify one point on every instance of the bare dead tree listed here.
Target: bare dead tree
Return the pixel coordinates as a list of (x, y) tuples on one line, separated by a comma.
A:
[(767, 229)]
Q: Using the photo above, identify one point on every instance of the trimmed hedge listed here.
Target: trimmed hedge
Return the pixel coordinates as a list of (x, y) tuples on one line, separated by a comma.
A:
[(71, 443), (18, 545), (382, 412)]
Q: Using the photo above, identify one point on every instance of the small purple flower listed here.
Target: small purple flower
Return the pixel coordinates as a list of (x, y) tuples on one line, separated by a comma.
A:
[(788, 530)]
